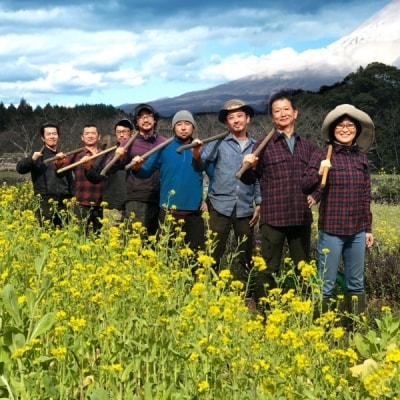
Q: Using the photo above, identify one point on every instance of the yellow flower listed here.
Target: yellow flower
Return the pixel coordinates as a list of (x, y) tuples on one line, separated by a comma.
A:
[(203, 386), (259, 263), (76, 323), (59, 352)]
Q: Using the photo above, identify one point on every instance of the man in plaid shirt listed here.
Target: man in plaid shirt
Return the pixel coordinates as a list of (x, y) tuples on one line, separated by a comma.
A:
[(285, 209), (88, 195)]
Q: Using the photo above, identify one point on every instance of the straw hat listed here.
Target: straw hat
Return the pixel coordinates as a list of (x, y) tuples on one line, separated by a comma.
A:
[(366, 137)]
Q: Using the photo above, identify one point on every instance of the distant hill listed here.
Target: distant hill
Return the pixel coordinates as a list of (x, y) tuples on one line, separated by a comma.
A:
[(376, 40)]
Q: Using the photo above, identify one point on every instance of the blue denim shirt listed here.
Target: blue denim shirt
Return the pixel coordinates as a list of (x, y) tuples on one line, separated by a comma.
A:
[(226, 191)]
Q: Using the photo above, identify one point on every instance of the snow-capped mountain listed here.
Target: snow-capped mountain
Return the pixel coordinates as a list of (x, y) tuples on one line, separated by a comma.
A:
[(376, 40)]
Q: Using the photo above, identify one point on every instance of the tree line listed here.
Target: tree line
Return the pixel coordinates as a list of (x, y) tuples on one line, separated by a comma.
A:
[(374, 89)]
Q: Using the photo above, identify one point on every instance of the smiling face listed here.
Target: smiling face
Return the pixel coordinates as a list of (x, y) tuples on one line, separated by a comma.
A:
[(90, 136), (345, 132), (237, 122), (283, 115), (50, 137), (146, 122)]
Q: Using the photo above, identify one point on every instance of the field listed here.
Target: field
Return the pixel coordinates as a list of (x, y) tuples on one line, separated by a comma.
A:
[(119, 317)]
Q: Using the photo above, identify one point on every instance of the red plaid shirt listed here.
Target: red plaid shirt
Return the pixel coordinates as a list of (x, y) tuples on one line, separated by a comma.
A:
[(86, 193), (346, 198), (280, 171)]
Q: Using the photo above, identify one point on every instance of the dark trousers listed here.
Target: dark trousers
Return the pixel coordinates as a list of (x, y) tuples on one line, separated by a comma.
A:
[(193, 226), (91, 216), (272, 242), (145, 212), (222, 225), (52, 210)]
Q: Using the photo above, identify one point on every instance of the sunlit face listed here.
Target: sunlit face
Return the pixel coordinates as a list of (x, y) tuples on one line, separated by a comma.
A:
[(345, 132), (90, 136), (283, 115), (237, 121), (145, 121), (183, 130), (50, 138), (122, 133)]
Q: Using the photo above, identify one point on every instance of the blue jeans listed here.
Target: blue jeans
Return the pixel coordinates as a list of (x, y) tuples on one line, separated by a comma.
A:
[(349, 247)]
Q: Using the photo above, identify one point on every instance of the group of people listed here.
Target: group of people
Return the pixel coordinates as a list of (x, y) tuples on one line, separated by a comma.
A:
[(282, 180)]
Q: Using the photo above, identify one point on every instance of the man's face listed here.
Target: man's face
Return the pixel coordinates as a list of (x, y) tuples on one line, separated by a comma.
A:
[(283, 115), (122, 133), (90, 136), (145, 121), (237, 121), (50, 137), (183, 130)]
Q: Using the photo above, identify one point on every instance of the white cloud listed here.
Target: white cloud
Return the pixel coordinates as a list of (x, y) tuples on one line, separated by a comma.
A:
[(54, 54)]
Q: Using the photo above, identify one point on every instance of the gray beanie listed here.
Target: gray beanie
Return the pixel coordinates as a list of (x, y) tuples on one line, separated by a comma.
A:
[(183, 115)]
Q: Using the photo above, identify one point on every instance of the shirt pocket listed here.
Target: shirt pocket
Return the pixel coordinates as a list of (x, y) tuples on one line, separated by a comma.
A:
[(276, 168)]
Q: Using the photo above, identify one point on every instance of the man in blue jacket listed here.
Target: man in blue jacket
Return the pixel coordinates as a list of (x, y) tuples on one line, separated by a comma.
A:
[(181, 187)]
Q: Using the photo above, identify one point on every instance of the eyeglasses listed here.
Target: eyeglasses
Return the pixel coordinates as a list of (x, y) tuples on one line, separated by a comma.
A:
[(145, 116), (350, 126), (122, 131)]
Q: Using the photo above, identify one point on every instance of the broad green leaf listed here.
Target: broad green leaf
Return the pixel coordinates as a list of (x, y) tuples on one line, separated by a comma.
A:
[(11, 303), (99, 394), (43, 325)]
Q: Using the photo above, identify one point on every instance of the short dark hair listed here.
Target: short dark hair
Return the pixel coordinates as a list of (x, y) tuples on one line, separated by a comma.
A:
[(125, 122), (281, 95), (49, 125), (89, 125)]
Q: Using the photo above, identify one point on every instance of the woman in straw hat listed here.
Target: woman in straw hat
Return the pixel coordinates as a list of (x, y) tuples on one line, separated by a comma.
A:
[(344, 225)]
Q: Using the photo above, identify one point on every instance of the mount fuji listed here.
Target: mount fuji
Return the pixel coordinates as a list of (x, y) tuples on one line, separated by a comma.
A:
[(376, 40)]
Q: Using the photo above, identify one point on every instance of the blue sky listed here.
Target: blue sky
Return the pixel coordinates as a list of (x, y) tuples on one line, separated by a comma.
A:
[(117, 52)]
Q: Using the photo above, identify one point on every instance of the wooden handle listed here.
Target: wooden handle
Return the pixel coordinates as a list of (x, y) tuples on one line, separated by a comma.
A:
[(150, 152), (75, 164), (68, 153), (245, 166), (222, 135), (118, 156), (326, 169), (104, 142)]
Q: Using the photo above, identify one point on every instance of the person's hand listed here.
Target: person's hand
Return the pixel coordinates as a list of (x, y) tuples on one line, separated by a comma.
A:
[(197, 150), (137, 163), (36, 155), (310, 201), (60, 160), (250, 159), (87, 162), (256, 216), (324, 164), (369, 240), (203, 206), (120, 151)]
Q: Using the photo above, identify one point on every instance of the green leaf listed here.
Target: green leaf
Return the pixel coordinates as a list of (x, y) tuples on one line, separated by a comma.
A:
[(43, 325), (363, 345), (11, 303), (99, 394), (147, 391)]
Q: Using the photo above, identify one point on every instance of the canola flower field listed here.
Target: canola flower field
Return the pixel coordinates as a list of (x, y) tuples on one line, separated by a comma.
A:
[(118, 317)]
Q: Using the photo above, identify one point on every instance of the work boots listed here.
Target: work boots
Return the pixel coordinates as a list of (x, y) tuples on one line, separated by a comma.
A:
[(354, 305)]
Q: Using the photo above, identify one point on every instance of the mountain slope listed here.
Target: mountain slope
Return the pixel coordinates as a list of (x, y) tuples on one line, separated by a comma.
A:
[(376, 40)]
